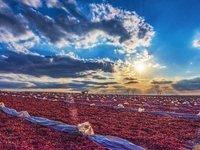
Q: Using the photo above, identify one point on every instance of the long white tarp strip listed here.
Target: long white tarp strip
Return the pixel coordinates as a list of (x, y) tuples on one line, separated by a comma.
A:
[(110, 142), (173, 114)]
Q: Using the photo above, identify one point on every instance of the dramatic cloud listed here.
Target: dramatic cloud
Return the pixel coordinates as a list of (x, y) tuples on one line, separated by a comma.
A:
[(71, 30), (131, 62), (30, 82), (53, 66), (136, 32), (68, 40), (13, 81), (105, 24), (187, 85), (45, 25), (22, 81), (12, 23), (15, 31)]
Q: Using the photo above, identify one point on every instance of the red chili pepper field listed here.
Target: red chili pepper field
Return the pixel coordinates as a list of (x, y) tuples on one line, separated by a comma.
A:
[(147, 130)]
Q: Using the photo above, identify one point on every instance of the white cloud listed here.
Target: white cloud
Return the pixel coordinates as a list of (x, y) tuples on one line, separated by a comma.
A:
[(3, 56), (62, 42), (141, 57), (90, 39), (196, 40), (32, 3), (121, 51), (29, 78), (158, 66), (70, 54), (127, 29), (134, 25), (196, 43), (133, 31), (51, 3), (15, 31), (14, 41)]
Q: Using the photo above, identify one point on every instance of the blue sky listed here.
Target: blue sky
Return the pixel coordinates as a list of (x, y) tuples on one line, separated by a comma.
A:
[(108, 46)]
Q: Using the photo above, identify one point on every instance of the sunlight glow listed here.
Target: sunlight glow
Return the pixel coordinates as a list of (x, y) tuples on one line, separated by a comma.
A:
[(140, 68)]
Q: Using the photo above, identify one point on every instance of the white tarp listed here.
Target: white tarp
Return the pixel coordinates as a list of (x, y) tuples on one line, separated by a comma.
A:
[(110, 142)]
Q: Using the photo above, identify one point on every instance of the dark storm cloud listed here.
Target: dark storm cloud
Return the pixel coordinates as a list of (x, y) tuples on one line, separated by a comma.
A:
[(187, 85), (111, 27), (60, 27), (56, 29), (12, 23), (45, 25), (52, 66), (161, 82)]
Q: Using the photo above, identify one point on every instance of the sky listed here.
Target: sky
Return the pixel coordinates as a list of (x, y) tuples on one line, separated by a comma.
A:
[(104, 46)]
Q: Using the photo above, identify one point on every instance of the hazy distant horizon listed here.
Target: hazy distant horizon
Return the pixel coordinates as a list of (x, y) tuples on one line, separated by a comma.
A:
[(90, 93)]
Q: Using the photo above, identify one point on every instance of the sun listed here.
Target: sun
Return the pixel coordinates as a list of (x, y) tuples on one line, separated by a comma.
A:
[(140, 68)]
